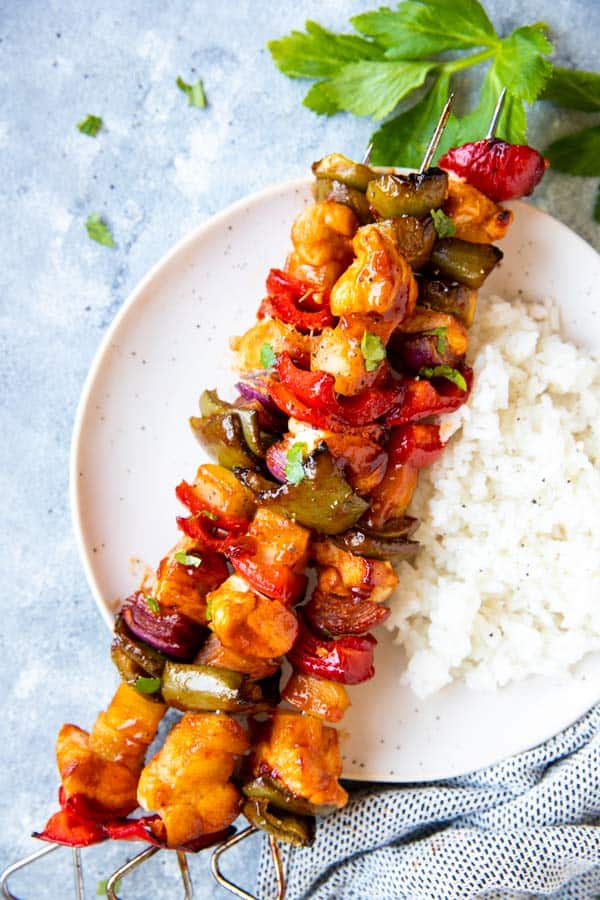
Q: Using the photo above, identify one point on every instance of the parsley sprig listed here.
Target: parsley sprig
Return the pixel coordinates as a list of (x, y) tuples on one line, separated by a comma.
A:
[(294, 467), (392, 53)]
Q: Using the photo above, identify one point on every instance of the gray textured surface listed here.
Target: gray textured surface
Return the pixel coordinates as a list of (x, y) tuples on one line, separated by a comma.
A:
[(157, 170)]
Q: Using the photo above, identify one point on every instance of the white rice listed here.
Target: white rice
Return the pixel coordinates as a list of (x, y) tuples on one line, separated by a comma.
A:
[(507, 582)]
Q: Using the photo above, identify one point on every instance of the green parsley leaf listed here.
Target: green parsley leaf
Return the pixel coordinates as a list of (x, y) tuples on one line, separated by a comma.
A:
[(373, 350), (319, 53), (102, 886), (208, 514), (403, 140), (152, 603), (443, 224), (574, 89), (446, 372), (376, 88), (320, 101), (188, 559), (267, 356), (419, 28), (91, 125), (99, 230), (147, 685), (597, 207), (294, 469), (441, 335), (195, 92), (577, 153), (520, 63)]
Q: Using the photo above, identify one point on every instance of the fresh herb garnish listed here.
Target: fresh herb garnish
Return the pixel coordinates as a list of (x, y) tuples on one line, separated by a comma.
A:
[(267, 356), (188, 559), (208, 514), (147, 685), (153, 604), (294, 468), (577, 153), (446, 372), (195, 92), (102, 886), (440, 334), (99, 230), (394, 52), (91, 125), (373, 350), (443, 224)]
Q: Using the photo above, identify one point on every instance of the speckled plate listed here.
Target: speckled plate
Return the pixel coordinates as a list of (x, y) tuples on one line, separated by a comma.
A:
[(132, 444)]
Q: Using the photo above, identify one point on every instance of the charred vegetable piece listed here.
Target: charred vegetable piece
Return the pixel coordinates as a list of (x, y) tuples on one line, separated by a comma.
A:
[(334, 615), (323, 500), (299, 831), (414, 238), (408, 195), (456, 299), (465, 262), (145, 658), (348, 660), (269, 789), (316, 696), (328, 189), (339, 167), (378, 545), (392, 497), (172, 634), (211, 405), (218, 495), (502, 171), (201, 688), (423, 399), (222, 437)]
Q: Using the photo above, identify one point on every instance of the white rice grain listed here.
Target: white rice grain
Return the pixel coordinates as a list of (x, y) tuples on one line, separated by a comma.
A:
[(507, 583)]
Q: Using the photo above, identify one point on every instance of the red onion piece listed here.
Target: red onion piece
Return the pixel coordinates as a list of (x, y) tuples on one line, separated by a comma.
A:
[(171, 633)]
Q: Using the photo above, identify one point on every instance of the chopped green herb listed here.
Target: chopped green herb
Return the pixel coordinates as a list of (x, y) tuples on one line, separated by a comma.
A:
[(188, 559), (102, 886), (446, 372), (147, 685), (267, 356), (99, 230), (294, 469), (91, 125), (443, 224), (195, 92), (208, 515), (373, 350), (440, 334), (153, 603)]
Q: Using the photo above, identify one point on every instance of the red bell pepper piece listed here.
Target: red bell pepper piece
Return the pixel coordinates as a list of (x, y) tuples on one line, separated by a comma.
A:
[(284, 309), (348, 659), (280, 283), (415, 445), (317, 403), (134, 830), (64, 827), (197, 506), (500, 170), (422, 399), (279, 583)]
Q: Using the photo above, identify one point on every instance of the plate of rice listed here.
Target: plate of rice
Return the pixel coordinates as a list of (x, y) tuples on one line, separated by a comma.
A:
[(493, 643)]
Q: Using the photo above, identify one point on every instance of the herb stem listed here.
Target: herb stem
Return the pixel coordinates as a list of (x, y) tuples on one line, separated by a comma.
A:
[(456, 65)]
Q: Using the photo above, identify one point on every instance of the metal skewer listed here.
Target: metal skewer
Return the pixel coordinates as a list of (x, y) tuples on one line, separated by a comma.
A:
[(496, 115), (435, 137)]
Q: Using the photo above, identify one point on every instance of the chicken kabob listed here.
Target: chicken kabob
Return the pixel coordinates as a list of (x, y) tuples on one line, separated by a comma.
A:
[(359, 343)]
